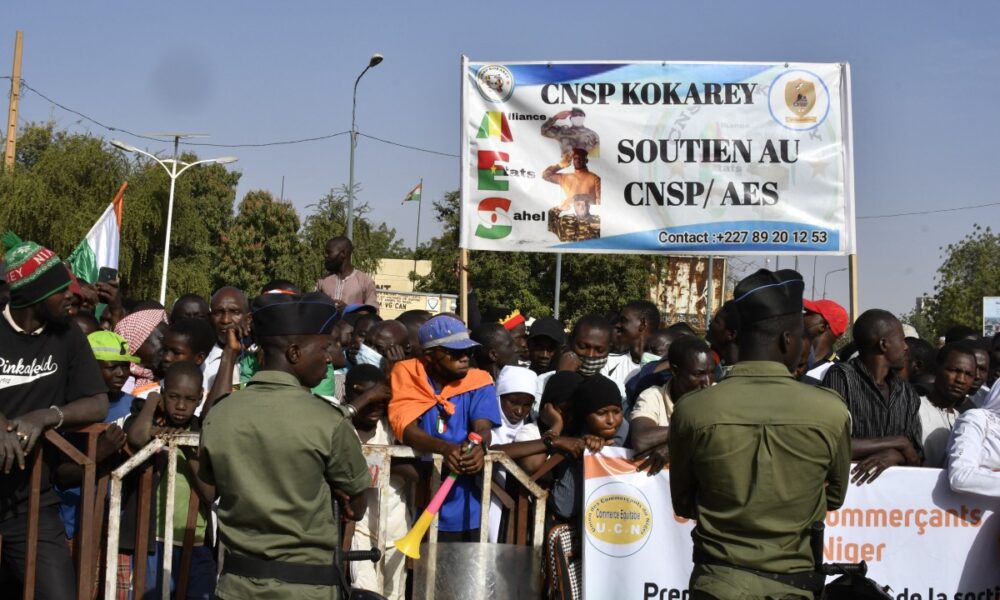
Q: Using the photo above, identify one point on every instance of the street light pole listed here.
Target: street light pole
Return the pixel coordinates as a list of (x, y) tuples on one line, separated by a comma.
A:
[(173, 173), (375, 59), (827, 277)]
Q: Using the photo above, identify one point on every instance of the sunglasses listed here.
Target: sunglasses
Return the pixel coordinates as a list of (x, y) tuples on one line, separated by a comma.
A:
[(455, 354)]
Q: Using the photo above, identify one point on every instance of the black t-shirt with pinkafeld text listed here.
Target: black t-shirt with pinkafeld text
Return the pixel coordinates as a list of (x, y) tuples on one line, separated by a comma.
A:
[(55, 367)]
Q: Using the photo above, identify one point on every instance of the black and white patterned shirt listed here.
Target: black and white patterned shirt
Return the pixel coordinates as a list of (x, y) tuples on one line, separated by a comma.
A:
[(872, 415)]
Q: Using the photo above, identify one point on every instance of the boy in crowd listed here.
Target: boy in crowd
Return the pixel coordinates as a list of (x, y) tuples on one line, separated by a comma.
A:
[(187, 340), (111, 352), (366, 396), (172, 411)]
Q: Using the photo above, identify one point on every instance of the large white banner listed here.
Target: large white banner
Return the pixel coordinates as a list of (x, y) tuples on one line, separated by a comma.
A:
[(917, 536), (657, 157)]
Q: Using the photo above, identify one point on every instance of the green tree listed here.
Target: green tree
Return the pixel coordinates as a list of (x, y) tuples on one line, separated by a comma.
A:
[(261, 244), (62, 182), (969, 271), (328, 219)]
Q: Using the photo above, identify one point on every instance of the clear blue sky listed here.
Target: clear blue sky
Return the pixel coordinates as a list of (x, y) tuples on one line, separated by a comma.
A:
[(924, 82)]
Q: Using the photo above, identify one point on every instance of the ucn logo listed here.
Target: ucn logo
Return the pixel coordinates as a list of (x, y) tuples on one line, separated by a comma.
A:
[(617, 519), (494, 219)]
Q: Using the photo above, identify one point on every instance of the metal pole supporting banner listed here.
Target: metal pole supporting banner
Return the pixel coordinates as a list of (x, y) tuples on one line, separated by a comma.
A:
[(463, 284), (852, 264), (709, 296), (555, 303)]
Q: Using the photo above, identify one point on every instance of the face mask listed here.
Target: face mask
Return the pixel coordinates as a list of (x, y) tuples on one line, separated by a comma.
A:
[(590, 365), (576, 121), (368, 356), (648, 357)]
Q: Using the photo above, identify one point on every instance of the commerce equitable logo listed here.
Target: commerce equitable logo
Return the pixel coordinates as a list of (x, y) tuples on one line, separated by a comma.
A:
[(618, 522), (494, 216)]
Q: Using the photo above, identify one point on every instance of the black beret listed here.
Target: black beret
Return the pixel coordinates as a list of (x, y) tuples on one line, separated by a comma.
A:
[(292, 314), (767, 294)]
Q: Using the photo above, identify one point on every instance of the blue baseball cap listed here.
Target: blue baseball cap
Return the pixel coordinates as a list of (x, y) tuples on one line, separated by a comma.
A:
[(445, 332)]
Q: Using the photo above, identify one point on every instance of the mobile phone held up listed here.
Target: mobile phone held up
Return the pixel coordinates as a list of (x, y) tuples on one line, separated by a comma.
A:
[(106, 275)]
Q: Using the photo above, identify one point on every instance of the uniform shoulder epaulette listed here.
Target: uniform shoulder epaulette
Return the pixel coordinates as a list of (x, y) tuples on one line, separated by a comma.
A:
[(334, 405)]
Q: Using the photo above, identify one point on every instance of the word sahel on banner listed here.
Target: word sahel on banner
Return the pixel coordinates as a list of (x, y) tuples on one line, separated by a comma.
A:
[(657, 157)]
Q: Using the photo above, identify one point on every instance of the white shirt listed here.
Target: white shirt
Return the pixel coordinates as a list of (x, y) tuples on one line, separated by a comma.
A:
[(936, 424), (210, 368), (819, 371), (974, 449), (619, 368)]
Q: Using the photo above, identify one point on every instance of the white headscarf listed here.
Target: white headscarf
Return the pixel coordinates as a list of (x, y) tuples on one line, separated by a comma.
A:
[(512, 380)]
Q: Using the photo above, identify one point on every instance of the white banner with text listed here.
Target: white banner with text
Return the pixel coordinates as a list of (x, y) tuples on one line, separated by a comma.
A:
[(657, 157), (917, 536)]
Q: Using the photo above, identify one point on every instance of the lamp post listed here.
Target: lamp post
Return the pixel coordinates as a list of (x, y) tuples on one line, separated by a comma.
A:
[(827, 276), (173, 172), (375, 60)]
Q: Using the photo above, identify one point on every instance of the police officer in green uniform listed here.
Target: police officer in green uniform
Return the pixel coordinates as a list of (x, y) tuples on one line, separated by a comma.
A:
[(279, 456), (760, 457)]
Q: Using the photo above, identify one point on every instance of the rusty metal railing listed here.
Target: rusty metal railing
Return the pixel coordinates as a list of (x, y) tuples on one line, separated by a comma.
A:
[(377, 456), (92, 495)]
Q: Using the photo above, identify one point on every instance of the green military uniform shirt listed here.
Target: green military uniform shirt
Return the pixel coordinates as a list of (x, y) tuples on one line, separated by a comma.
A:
[(750, 458), (273, 450)]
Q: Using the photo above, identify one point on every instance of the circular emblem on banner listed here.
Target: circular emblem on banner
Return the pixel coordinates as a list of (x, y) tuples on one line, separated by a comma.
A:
[(617, 519), (799, 100), (496, 83)]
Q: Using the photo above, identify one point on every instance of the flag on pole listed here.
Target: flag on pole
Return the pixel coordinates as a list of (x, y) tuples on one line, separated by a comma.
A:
[(414, 195), (100, 247)]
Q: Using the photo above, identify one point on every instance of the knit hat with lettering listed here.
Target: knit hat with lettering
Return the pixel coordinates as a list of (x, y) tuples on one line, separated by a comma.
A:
[(33, 273)]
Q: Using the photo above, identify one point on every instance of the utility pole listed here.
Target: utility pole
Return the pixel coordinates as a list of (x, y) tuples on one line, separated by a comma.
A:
[(15, 96)]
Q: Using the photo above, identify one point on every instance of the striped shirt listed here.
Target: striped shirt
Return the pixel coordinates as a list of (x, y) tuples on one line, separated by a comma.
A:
[(872, 416)]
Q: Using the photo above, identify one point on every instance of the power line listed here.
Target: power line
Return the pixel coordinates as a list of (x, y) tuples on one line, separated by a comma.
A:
[(264, 144), (205, 144), (392, 143), (417, 148), (929, 212)]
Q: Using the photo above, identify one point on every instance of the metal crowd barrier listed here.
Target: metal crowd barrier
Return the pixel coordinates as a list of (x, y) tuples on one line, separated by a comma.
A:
[(93, 491), (380, 457), (376, 455)]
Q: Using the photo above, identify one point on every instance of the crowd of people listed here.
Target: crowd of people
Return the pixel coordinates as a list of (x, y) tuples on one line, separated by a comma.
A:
[(767, 409)]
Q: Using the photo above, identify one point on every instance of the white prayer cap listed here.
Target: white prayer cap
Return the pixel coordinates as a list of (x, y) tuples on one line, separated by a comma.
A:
[(515, 380)]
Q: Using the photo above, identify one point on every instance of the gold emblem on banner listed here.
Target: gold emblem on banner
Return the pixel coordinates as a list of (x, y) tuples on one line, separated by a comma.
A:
[(800, 97)]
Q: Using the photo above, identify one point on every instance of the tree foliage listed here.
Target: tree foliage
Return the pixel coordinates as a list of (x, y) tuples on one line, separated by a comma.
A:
[(62, 182), (328, 219), (970, 269), (261, 244)]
